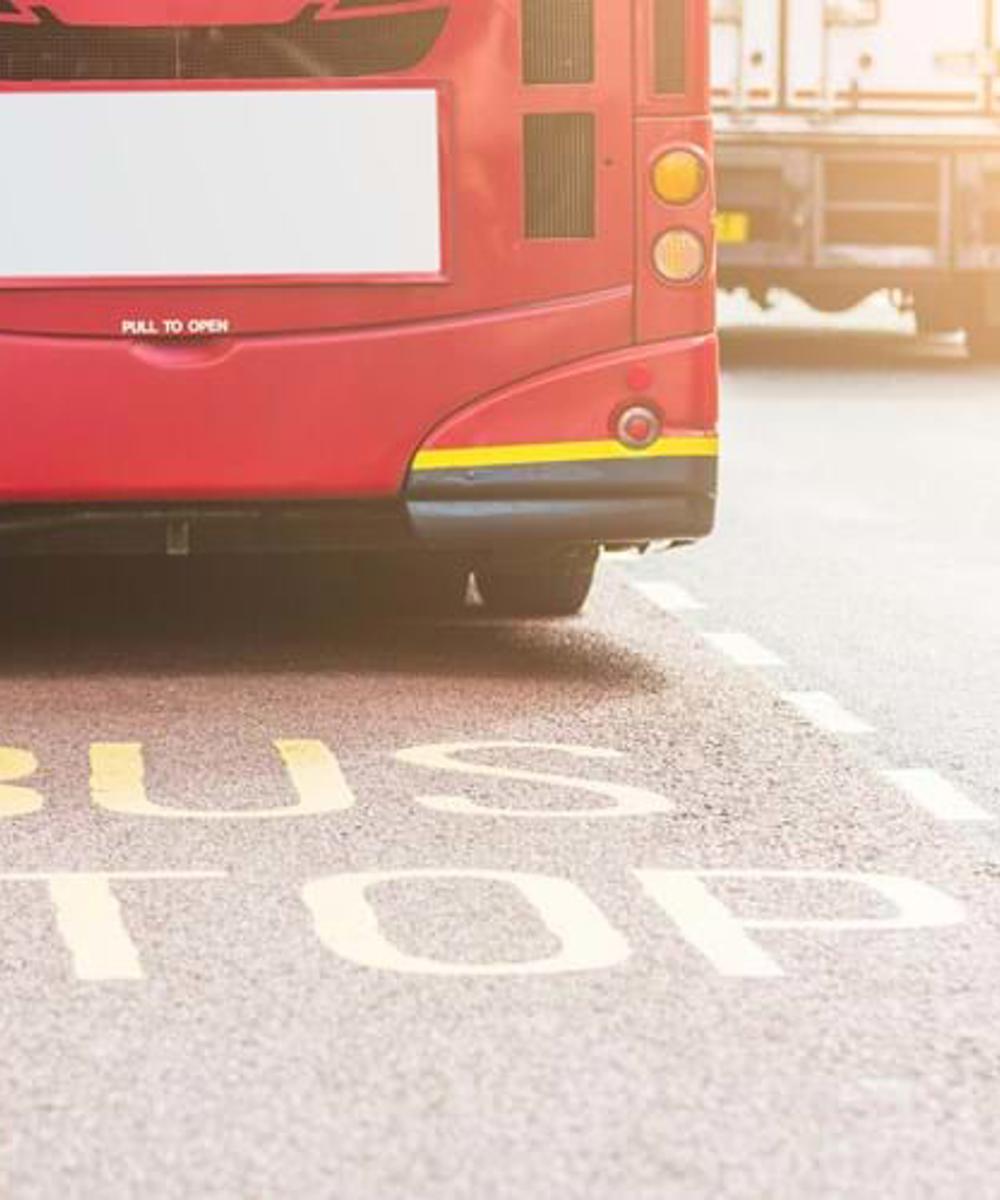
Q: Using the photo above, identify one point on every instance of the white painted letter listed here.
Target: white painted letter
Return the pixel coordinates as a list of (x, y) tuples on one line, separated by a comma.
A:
[(17, 801), (628, 801), (117, 783), (713, 929), (347, 924), (90, 922)]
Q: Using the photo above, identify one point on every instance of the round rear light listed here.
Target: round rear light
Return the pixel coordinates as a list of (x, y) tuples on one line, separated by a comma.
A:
[(638, 427), (680, 256), (679, 176)]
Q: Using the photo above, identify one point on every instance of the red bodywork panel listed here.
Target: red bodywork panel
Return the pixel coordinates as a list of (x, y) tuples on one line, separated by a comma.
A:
[(303, 416), (490, 264), (571, 403), (327, 389)]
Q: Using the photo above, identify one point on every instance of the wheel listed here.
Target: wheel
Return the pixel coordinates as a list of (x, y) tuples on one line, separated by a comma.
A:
[(983, 342), (539, 588), (937, 310), (982, 325), (931, 321)]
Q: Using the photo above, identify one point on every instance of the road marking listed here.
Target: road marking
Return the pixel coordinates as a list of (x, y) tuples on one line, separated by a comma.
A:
[(316, 776), (708, 924), (118, 784), (669, 597), (92, 926), (17, 801), (826, 713), (347, 923), (742, 649), (89, 918), (627, 800), (937, 795)]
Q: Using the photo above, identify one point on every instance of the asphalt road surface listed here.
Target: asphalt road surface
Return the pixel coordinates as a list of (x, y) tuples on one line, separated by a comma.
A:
[(697, 896)]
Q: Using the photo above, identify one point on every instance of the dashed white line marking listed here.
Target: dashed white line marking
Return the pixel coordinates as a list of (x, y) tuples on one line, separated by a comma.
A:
[(926, 788), (937, 795), (826, 713), (743, 649), (668, 596)]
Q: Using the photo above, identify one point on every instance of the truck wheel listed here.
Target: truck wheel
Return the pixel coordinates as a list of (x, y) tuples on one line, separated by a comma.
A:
[(937, 310), (931, 321), (982, 326), (538, 589), (983, 342)]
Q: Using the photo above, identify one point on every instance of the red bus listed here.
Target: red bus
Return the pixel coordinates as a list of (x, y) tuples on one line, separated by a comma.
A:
[(432, 278)]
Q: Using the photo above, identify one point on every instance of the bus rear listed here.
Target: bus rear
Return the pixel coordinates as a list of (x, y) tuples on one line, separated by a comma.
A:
[(370, 275)]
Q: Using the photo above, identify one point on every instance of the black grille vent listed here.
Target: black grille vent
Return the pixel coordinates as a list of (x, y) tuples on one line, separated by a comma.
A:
[(892, 201), (671, 41), (302, 48), (559, 174), (558, 41)]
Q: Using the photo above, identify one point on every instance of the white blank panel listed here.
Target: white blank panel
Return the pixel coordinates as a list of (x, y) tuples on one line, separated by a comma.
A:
[(210, 183)]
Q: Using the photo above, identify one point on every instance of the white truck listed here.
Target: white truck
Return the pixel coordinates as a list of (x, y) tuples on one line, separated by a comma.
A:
[(859, 149)]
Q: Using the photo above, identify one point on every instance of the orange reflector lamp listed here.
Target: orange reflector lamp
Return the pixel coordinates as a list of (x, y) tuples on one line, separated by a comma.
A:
[(679, 177), (680, 256)]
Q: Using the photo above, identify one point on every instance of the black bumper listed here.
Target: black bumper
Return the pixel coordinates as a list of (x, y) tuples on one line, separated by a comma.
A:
[(602, 503), (644, 500)]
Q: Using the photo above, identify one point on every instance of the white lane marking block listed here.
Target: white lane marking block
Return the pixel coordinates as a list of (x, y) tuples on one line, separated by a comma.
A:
[(937, 795), (826, 713), (743, 649), (669, 597)]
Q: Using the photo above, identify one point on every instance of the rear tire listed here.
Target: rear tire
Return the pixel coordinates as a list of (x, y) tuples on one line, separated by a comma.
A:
[(937, 310), (983, 342), (931, 323), (554, 588), (982, 332)]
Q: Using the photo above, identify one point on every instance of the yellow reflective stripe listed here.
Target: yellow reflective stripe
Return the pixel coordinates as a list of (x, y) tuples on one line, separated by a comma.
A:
[(562, 452)]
